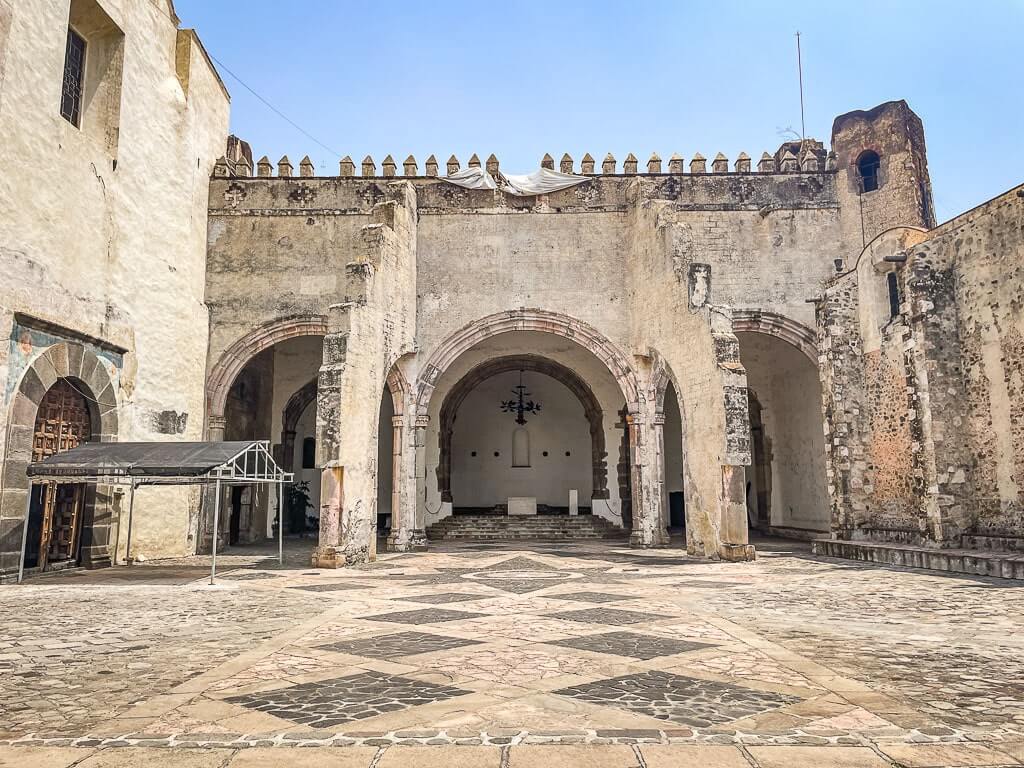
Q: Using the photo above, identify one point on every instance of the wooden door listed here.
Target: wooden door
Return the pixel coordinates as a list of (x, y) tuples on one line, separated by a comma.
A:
[(61, 424)]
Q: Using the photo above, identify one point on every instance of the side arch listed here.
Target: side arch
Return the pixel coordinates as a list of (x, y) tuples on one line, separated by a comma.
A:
[(539, 320), (297, 404), (561, 373), (233, 359), (792, 331), (94, 378)]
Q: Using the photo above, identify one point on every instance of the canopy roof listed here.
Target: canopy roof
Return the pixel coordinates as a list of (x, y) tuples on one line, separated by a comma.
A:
[(165, 463)]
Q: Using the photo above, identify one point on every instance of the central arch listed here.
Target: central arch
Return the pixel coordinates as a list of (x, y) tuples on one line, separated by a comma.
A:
[(543, 321), (568, 377)]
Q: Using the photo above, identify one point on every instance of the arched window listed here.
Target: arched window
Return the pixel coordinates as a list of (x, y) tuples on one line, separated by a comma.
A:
[(520, 447), (867, 168), (894, 294)]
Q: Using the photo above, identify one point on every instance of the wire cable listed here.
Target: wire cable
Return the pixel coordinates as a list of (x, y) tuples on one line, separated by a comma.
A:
[(275, 110)]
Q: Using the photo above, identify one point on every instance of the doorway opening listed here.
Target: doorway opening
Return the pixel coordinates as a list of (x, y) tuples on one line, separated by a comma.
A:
[(57, 511)]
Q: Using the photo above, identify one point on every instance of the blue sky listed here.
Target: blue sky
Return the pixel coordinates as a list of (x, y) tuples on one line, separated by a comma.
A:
[(523, 78)]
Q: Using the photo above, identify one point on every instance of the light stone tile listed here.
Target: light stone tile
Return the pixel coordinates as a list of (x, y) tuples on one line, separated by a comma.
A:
[(692, 756), (141, 757), (582, 756), (819, 757), (434, 756), (941, 755), (41, 757), (294, 757)]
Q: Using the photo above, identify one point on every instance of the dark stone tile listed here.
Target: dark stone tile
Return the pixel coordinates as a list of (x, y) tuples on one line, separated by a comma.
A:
[(631, 644), (400, 644), (330, 587), (612, 616), (423, 616), (590, 597), (442, 597), (327, 703), (678, 699)]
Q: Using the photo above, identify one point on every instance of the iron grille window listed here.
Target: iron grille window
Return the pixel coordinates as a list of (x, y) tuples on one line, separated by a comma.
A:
[(74, 72)]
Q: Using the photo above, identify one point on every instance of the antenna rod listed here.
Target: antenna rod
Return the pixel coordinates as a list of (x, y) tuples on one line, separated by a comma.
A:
[(800, 70)]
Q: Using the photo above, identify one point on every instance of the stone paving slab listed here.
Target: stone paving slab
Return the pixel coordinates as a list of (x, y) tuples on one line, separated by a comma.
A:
[(796, 653)]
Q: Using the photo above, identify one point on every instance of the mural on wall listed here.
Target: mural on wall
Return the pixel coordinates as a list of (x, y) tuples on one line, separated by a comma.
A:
[(28, 342)]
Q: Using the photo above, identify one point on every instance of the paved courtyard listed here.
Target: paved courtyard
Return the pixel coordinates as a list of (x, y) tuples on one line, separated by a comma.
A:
[(516, 655)]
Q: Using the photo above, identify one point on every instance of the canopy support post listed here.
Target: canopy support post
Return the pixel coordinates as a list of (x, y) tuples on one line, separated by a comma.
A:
[(131, 506), (216, 525), (280, 523), (24, 535)]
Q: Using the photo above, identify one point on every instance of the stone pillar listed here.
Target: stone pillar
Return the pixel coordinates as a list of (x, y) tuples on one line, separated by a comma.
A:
[(406, 535), (733, 532), (418, 465), (328, 552), (215, 425), (658, 473), (646, 511)]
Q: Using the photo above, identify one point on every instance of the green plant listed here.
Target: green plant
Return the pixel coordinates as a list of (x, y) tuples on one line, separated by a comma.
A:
[(296, 502)]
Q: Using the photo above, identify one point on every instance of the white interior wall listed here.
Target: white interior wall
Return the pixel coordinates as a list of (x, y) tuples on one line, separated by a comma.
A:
[(306, 427), (673, 434), (385, 447), (559, 349), (296, 362), (561, 427), (787, 386)]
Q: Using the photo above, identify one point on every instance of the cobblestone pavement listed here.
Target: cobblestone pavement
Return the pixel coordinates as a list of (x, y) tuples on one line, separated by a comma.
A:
[(514, 656)]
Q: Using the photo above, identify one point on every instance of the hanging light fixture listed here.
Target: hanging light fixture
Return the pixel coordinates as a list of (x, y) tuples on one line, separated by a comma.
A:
[(520, 404)]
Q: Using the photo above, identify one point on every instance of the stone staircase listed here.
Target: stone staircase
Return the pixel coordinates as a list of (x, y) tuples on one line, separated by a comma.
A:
[(497, 527)]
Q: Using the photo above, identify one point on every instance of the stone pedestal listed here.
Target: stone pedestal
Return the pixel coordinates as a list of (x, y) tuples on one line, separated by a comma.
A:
[(522, 506), (574, 502)]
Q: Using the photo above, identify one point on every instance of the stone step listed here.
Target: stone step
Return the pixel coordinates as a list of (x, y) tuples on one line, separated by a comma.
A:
[(502, 527)]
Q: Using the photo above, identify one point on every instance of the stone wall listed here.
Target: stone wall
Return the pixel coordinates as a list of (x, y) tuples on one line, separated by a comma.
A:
[(922, 397), (103, 237)]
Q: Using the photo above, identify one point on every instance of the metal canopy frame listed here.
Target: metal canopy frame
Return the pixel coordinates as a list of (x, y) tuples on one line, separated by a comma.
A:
[(253, 464)]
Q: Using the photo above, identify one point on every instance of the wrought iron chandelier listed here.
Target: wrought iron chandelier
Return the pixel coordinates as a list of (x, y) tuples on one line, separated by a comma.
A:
[(520, 404)]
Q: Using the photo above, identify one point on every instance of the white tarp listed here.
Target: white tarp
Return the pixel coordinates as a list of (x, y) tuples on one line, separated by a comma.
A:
[(539, 182)]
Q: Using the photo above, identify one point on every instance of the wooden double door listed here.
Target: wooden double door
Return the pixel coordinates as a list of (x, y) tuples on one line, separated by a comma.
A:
[(55, 516)]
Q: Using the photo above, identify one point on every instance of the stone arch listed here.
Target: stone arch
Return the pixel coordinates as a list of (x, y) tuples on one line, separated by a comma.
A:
[(399, 388), (88, 373), (540, 320), (234, 358), (561, 373), (791, 331), (297, 404)]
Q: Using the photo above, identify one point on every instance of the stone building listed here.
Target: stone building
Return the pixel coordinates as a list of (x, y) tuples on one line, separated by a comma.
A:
[(112, 118), (789, 345)]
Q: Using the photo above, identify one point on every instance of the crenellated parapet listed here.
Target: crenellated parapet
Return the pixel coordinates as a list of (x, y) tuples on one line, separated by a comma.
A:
[(792, 157), (798, 175)]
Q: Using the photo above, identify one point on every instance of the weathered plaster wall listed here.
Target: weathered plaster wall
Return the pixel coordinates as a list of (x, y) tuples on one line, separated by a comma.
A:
[(103, 232), (559, 445)]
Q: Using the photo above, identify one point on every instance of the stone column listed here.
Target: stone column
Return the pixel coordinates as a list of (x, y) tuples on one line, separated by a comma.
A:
[(418, 467), (646, 495), (733, 532), (408, 535), (658, 475)]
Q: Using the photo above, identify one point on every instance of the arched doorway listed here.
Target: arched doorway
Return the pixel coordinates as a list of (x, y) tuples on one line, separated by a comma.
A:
[(567, 397), (57, 511), (786, 479), (478, 454), (273, 397)]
